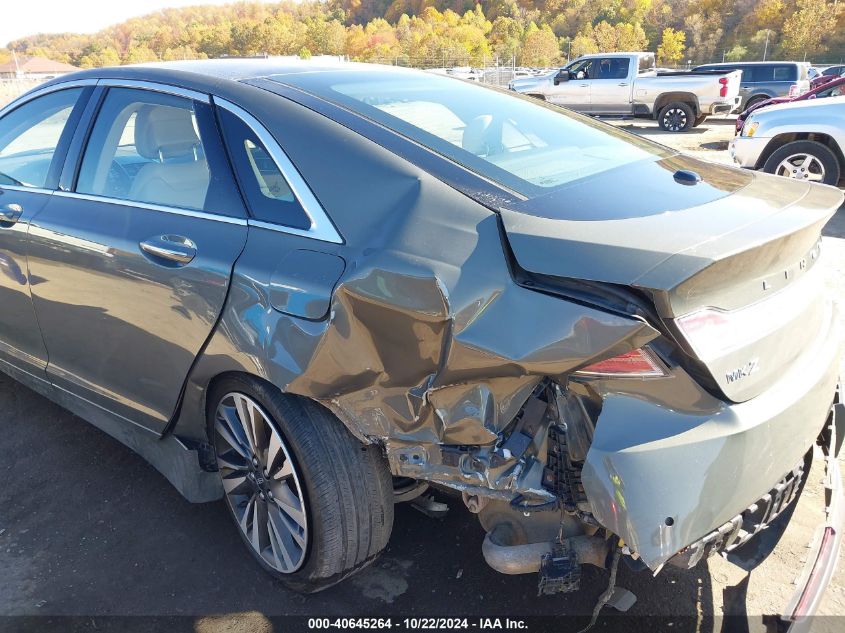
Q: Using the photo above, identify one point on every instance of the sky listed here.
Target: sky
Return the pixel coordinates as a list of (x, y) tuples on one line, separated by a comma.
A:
[(78, 16)]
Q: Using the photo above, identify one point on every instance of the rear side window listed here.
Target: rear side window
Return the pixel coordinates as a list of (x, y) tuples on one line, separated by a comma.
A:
[(613, 68), (154, 148), (268, 194), (29, 136), (771, 72)]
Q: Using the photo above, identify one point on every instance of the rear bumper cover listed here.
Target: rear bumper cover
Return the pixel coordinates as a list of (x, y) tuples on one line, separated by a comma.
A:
[(662, 475)]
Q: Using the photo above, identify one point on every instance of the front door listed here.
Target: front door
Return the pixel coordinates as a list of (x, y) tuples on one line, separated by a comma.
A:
[(133, 264), (30, 135), (574, 93), (610, 88)]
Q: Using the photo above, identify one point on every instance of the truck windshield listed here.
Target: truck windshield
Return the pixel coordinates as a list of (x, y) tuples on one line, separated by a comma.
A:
[(522, 144)]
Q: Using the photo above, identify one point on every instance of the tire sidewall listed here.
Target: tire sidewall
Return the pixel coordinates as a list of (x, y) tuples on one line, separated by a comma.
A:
[(822, 153), (269, 402)]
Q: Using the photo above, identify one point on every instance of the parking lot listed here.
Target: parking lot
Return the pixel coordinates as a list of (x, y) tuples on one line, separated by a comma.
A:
[(88, 529)]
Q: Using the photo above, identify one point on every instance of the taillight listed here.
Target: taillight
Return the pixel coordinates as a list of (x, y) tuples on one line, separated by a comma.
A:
[(723, 91), (794, 90), (639, 363)]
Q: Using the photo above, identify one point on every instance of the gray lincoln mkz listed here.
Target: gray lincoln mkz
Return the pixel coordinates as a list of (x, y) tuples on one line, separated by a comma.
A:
[(315, 290)]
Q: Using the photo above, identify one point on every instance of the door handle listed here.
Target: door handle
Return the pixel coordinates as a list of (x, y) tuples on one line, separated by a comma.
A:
[(623, 84), (10, 214), (173, 248), (584, 85)]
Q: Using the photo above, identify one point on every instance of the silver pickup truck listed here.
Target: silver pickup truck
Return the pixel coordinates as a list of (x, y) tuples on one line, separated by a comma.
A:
[(628, 84)]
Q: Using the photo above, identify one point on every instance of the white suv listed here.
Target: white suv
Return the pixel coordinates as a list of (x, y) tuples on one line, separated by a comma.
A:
[(802, 139)]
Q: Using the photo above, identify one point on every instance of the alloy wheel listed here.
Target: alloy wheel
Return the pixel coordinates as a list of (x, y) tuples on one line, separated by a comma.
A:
[(674, 119), (261, 482), (802, 167)]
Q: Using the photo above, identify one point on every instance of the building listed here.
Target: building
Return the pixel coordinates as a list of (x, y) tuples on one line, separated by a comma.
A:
[(38, 68)]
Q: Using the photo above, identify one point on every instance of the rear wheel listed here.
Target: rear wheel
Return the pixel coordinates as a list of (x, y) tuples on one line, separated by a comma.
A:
[(676, 117), (312, 504), (805, 160)]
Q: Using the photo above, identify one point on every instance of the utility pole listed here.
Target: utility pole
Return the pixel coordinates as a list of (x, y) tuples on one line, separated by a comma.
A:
[(766, 48)]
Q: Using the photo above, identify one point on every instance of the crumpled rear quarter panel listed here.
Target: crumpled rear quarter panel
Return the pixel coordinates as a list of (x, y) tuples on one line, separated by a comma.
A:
[(428, 340)]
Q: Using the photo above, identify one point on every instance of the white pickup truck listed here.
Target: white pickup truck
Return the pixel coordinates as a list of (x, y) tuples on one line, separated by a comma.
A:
[(628, 84)]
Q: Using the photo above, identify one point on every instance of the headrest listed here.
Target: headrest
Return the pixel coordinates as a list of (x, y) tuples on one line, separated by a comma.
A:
[(164, 132), (475, 138)]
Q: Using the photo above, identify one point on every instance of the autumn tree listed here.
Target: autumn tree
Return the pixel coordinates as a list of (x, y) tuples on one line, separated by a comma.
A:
[(803, 32), (672, 46), (540, 47)]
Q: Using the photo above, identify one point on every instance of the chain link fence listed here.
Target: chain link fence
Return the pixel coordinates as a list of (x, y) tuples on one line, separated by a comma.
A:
[(13, 88)]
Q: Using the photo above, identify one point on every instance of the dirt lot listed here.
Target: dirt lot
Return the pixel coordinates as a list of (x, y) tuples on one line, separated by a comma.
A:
[(89, 529)]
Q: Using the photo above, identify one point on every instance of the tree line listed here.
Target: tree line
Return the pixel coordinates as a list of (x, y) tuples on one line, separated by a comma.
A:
[(461, 32)]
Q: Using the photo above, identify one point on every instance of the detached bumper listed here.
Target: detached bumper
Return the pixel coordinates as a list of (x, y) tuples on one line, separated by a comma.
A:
[(664, 474)]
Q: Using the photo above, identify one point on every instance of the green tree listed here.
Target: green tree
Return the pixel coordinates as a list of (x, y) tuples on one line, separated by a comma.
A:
[(540, 47), (803, 32), (737, 53), (672, 46)]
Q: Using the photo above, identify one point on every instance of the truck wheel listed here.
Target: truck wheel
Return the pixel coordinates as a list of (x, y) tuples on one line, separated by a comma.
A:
[(312, 504), (804, 160), (676, 117), (699, 120)]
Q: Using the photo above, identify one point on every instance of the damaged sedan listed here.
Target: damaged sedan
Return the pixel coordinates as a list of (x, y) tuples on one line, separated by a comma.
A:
[(317, 290)]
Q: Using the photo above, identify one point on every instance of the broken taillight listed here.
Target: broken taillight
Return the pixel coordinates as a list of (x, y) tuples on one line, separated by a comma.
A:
[(639, 363)]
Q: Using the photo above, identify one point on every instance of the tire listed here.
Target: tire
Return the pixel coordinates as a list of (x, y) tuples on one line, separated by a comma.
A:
[(754, 101), (676, 117), (809, 161), (324, 505), (699, 120), (540, 97)]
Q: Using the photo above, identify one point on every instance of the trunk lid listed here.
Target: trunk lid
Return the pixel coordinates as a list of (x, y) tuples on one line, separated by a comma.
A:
[(729, 262)]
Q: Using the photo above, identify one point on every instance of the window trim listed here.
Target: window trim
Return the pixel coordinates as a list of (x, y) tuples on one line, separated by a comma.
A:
[(82, 137), (321, 228), (77, 113)]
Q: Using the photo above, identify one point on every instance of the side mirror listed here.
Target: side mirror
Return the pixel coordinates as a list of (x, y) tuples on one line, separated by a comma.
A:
[(561, 76)]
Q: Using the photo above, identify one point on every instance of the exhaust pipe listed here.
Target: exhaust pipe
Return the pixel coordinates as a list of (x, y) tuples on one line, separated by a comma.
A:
[(525, 558)]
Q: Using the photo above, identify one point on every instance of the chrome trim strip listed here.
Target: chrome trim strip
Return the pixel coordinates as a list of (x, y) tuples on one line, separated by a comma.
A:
[(321, 226), (26, 189), (43, 90), (201, 215), (155, 87)]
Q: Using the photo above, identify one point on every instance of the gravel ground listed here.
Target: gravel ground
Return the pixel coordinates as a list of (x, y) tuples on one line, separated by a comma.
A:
[(89, 529)]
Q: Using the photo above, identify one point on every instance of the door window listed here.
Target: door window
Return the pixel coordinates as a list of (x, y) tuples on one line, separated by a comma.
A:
[(582, 70), (29, 136), (612, 68), (147, 147), (268, 194)]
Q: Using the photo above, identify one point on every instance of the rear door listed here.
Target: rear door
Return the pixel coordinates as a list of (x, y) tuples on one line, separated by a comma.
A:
[(33, 138), (131, 263), (610, 88)]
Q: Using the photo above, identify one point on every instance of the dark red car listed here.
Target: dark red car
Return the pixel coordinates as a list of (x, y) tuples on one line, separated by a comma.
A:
[(833, 86)]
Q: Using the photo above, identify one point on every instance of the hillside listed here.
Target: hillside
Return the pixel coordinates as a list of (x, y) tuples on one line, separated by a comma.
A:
[(438, 33)]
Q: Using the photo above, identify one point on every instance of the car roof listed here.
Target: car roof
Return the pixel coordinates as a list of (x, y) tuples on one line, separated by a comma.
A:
[(749, 63)]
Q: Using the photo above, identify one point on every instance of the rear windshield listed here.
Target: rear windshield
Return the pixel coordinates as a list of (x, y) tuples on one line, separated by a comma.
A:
[(520, 143)]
